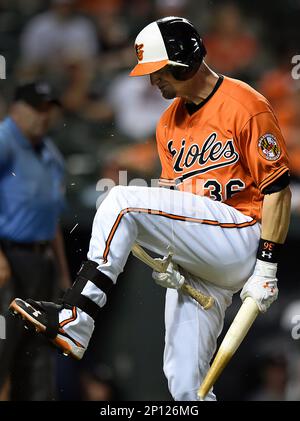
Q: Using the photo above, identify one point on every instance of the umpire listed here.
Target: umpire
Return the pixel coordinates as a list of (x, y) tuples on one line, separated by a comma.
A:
[(31, 247)]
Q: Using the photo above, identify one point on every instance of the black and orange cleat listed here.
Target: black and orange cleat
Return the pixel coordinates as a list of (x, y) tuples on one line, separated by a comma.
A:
[(43, 317)]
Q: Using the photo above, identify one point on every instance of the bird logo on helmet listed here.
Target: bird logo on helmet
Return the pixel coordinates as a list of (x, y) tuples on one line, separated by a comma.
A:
[(170, 41), (139, 51)]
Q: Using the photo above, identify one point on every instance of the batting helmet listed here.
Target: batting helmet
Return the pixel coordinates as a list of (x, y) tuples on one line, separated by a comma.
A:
[(169, 41)]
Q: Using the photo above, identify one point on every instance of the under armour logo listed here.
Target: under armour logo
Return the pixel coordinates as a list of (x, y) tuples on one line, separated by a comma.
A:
[(265, 254), (271, 288), (36, 313)]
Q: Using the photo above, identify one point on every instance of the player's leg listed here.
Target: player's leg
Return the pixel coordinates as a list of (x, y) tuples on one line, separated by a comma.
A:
[(209, 239), (159, 218), (190, 339)]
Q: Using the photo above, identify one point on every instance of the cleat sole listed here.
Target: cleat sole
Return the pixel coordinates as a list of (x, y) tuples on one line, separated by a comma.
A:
[(33, 324)]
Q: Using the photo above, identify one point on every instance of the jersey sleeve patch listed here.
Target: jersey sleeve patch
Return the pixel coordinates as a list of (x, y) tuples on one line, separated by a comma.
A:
[(268, 147)]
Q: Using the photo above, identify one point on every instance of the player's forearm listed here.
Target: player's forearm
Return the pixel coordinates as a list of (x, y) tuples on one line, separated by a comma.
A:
[(262, 285), (276, 216)]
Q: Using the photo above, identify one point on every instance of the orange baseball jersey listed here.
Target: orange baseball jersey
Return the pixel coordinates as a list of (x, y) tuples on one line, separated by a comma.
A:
[(230, 149)]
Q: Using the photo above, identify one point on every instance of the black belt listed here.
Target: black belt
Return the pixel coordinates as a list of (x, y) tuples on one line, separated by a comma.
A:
[(37, 247)]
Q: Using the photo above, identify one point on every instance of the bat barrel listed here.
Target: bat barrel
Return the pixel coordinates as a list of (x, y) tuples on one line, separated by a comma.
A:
[(221, 360), (232, 340)]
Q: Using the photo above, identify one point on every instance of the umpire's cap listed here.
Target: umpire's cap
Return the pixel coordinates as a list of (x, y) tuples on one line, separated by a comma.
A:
[(37, 94)]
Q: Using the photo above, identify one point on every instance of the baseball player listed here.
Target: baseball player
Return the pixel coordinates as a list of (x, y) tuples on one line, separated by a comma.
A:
[(224, 214)]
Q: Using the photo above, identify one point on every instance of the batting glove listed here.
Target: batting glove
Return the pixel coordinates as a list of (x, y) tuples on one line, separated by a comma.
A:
[(172, 278), (262, 285)]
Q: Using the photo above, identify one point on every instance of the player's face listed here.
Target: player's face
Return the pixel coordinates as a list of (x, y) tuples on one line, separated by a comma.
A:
[(165, 82)]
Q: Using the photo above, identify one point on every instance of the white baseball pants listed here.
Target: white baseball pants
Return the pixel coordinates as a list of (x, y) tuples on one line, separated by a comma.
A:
[(214, 244)]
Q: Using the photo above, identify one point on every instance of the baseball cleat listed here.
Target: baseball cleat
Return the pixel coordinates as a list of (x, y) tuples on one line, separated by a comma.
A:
[(44, 317)]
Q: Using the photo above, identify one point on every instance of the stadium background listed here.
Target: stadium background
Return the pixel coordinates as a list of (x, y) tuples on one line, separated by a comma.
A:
[(108, 126)]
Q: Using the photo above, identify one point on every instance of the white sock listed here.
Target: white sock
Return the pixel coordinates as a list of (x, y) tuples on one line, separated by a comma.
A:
[(81, 328)]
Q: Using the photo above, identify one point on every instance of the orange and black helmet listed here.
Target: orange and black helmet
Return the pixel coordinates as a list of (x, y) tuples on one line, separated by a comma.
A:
[(173, 42)]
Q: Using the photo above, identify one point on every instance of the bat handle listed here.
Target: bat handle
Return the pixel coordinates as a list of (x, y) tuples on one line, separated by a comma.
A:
[(161, 266), (204, 300)]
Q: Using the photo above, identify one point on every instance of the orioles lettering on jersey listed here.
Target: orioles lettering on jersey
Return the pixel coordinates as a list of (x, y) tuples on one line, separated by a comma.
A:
[(212, 155)]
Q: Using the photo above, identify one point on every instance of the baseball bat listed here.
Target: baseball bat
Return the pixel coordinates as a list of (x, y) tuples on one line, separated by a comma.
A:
[(232, 340), (161, 266)]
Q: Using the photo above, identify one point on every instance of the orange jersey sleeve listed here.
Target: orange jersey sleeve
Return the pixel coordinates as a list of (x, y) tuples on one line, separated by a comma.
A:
[(263, 149)]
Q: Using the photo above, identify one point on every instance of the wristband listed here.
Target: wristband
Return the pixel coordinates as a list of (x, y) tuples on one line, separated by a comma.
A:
[(268, 251)]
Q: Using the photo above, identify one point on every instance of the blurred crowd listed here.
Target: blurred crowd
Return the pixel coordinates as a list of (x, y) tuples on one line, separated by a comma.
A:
[(84, 48)]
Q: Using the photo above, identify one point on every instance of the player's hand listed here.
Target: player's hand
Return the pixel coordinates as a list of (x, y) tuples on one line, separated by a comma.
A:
[(172, 278), (262, 285), (5, 271)]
